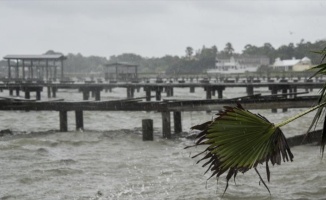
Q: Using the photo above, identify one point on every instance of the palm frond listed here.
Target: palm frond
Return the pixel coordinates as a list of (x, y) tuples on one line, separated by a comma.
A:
[(238, 141), (322, 100)]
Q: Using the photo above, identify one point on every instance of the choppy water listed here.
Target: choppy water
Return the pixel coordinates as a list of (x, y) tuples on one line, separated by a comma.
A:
[(109, 160)]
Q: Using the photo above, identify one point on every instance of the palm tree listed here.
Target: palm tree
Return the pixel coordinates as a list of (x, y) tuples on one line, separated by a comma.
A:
[(239, 140), (229, 49)]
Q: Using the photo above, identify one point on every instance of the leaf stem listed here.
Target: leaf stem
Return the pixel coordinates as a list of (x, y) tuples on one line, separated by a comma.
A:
[(299, 115)]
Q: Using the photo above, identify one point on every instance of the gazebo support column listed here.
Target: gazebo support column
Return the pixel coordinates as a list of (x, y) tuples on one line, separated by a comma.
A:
[(9, 69)]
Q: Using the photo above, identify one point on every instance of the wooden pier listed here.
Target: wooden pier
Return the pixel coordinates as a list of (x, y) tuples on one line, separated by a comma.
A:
[(176, 107), (95, 89)]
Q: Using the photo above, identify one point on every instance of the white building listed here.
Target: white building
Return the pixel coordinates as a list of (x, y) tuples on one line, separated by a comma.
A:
[(239, 64), (293, 64)]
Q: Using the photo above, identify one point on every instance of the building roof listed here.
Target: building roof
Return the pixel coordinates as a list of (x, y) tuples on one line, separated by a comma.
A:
[(36, 57), (124, 64), (283, 63)]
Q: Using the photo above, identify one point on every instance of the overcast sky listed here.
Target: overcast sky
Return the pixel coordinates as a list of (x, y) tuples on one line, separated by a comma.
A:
[(155, 28)]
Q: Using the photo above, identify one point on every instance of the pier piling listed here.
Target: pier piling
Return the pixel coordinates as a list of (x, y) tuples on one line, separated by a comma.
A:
[(63, 121), (147, 125), (79, 120), (166, 124), (177, 122)]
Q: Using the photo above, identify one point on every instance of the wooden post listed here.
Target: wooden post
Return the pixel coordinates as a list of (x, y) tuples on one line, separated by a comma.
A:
[(148, 94), (62, 75), (177, 122), (192, 89), (295, 91), (38, 95), (79, 120), (208, 93), (55, 71), (158, 94), (168, 91), (27, 94), (85, 94), (9, 69), (17, 92), (23, 69), (274, 91), (166, 124), (284, 91), (220, 93), (128, 92), (17, 70), (49, 91), (132, 91), (213, 91), (250, 90), (63, 120), (32, 70), (47, 70), (54, 92), (147, 125), (97, 95)]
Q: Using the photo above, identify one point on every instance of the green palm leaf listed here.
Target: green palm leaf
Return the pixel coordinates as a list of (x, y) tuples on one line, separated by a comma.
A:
[(239, 140), (321, 70)]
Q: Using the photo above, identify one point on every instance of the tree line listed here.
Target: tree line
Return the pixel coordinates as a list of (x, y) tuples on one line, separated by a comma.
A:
[(193, 61)]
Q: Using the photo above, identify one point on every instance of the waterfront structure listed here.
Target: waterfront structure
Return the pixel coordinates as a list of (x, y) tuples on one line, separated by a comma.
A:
[(121, 71), (292, 64), (238, 64), (29, 67)]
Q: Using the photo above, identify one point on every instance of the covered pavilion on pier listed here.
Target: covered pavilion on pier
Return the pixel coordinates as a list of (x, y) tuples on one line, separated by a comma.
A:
[(35, 67), (121, 71)]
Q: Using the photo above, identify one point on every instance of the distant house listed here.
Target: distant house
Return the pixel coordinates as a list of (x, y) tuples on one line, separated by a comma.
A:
[(239, 64), (292, 64)]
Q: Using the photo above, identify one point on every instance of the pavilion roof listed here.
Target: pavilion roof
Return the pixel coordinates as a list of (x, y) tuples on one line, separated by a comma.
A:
[(124, 64), (36, 57)]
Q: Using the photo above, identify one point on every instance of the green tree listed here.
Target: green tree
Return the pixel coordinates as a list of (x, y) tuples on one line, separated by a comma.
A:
[(229, 49), (189, 52)]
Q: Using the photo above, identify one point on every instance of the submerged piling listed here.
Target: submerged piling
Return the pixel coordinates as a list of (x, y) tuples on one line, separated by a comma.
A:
[(147, 125)]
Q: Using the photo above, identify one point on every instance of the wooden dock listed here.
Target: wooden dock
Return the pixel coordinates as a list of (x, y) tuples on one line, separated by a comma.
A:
[(164, 107), (89, 89)]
